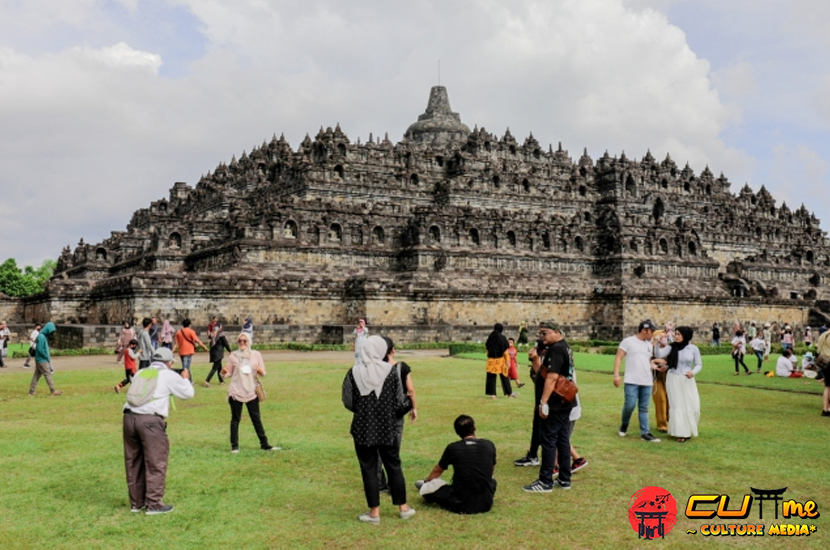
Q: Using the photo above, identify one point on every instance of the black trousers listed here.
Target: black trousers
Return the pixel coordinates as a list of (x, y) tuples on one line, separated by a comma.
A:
[(127, 377), (556, 439), (384, 485), (367, 457), (256, 420), (491, 384), (739, 359), (217, 368), (446, 498), (535, 435)]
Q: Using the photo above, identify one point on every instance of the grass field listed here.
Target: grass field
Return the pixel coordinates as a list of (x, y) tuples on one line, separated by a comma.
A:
[(63, 476)]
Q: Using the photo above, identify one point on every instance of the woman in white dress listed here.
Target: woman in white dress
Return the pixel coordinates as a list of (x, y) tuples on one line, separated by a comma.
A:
[(682, 362), (361, 333)]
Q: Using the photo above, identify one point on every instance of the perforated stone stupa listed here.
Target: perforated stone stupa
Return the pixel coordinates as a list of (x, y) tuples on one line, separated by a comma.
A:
[(449, 228)]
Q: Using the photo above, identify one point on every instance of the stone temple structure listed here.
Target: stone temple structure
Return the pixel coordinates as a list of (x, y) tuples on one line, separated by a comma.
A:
[(443, 233)]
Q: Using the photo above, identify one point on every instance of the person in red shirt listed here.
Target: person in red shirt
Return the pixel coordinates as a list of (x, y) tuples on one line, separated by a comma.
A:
[(513, 370), (130, 355), (185, 343)]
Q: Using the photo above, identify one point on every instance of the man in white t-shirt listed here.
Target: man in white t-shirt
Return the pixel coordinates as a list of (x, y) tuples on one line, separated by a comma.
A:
[(32, 345), (784, 366), (637, 351), (5, 336)]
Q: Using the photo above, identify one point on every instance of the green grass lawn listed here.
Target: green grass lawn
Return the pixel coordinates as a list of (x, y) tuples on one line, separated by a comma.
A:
[(63, 476)]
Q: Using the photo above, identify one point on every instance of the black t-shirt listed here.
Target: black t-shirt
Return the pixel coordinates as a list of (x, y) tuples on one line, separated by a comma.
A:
[(405, 370), (473, 485), (558, 359)]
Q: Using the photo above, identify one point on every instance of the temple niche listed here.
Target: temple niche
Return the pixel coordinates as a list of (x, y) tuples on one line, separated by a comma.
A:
[(444, 232)]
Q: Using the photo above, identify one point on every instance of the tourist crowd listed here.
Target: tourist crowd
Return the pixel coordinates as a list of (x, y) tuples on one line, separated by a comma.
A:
[(659, 366)]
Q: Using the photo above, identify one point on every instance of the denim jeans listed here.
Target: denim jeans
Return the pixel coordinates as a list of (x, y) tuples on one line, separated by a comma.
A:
[(186, 361), (760, 356), (633, 394)]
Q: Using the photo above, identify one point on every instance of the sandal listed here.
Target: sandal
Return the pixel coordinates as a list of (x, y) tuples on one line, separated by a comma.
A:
[(682, 439)]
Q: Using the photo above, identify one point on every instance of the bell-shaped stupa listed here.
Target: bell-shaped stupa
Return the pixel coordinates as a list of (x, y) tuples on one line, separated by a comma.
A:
[(438, 124)]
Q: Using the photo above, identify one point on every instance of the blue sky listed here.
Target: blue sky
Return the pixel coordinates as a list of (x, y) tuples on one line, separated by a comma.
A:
[(105, 104)]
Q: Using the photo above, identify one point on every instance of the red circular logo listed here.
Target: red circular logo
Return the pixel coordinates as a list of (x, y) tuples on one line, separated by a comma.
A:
[(652, 512)]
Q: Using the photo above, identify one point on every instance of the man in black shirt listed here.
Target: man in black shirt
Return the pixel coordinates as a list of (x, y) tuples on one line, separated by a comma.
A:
[(473, 461), (557, 361)]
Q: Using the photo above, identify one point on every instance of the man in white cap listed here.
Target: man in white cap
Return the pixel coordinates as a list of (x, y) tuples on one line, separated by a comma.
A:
[(146, 447)]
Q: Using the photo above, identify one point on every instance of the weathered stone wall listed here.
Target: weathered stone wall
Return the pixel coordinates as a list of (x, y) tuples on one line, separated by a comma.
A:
[(9, 309), (701, 316), (106, 336)]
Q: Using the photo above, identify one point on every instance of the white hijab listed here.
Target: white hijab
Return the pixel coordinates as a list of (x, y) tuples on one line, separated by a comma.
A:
[(369, 369)]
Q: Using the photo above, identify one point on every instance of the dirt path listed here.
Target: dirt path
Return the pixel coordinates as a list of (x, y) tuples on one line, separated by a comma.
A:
[(89, 362)]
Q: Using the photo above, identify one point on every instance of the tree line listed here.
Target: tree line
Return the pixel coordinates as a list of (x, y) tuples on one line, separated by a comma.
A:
[(17, 282)]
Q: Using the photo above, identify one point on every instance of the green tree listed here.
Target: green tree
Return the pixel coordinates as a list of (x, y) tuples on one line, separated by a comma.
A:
[(18, 282)]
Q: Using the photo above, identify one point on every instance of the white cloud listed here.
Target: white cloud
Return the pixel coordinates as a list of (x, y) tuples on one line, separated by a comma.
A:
[(99, 129), (799, 172), (737, 81), (122, 55)]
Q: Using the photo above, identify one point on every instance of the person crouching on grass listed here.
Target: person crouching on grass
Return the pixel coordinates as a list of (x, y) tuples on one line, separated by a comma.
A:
[(474, 462)]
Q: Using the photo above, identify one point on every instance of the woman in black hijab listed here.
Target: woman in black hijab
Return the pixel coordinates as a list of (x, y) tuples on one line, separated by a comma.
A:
[(682, 362), (498, 362)]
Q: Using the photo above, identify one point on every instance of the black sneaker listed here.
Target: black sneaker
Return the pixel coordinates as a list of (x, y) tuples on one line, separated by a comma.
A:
[(163, 510), (578, 464), (623, 430), (650, 438), (526, 461), (538, 486), (564, 485), (823, 413), (136, 509)]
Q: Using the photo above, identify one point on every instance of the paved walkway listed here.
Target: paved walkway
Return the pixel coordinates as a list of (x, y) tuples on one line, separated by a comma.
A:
[(345, 358)]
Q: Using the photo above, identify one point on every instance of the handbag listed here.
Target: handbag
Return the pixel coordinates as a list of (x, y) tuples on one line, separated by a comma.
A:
[(260, 391), (565, 389)]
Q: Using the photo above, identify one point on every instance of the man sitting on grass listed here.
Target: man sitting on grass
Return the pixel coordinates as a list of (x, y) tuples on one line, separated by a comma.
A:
[(473, 461), (784, 366)]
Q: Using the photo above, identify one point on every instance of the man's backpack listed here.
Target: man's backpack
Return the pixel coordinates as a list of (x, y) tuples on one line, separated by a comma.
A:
[(142, 387)]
